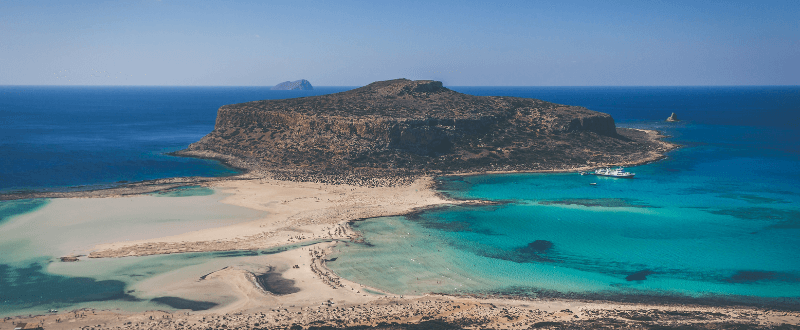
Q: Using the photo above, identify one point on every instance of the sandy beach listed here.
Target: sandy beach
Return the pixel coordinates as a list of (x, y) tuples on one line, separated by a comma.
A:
[(310, 296), (294, 287), (302, 292), (296, 212)]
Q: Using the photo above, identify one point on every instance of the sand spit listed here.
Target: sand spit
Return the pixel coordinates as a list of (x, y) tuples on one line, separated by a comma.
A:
[(297, 212), (311, 297)]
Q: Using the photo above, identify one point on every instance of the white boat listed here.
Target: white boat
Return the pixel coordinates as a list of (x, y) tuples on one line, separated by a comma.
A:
[(618, 172)]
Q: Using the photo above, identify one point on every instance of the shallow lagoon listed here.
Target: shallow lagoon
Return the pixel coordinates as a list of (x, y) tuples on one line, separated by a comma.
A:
[(717, 219), (35, 233)]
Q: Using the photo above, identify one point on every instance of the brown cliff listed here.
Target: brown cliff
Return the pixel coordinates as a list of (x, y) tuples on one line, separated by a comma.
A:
[(404, 127)]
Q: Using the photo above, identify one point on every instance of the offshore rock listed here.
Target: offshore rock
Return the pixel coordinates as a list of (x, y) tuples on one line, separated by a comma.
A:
[(673, 117), (301, 84), (402, 127)]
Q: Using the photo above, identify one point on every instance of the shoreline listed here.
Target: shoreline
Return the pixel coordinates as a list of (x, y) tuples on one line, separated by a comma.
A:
[(253, 172), (309, 210), (297, 212), (654, 135), (332, 302), (429, 310)]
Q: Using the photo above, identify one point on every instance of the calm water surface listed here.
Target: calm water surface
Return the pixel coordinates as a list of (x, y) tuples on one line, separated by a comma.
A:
[(63, 137), (719, 218)]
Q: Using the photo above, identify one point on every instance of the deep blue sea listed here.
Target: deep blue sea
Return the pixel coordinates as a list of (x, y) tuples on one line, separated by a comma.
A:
[(719, 218), (55, 138)]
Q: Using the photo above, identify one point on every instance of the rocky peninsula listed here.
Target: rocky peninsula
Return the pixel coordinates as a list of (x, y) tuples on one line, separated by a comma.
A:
[(316, 164), (402, 128)]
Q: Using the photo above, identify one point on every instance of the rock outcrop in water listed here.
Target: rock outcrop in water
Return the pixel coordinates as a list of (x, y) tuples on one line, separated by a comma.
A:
[(673, 117), (403, 127), (301, 84)]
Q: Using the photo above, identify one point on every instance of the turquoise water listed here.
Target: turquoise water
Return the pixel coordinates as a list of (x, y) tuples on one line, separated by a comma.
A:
[(12, 208), (717, 221), (185, 192), (35, 233), (130, 284), (719, 218)]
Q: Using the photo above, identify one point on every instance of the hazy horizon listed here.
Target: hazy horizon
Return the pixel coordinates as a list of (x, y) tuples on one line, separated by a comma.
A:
[(353, 43), (354, 86)]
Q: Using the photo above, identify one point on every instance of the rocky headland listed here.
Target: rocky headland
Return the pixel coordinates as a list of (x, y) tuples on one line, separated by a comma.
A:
[(363, 143), (404, 128)]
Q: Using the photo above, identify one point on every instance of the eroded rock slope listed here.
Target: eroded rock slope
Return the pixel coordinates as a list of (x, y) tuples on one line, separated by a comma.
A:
[(404, 127)]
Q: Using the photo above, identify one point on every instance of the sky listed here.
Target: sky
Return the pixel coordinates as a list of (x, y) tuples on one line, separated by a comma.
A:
[(353, 43)]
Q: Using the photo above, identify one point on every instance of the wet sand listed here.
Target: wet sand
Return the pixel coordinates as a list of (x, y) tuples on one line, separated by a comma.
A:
[(295, 212), (313, 297)]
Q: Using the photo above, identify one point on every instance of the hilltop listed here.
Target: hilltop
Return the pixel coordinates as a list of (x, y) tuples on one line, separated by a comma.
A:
[(404, 128)]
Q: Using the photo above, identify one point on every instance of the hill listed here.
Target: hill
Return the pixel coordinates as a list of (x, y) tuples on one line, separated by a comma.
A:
[(400, 128)]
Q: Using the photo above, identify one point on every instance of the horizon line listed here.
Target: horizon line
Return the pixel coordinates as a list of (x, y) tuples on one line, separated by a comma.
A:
[(356, 86)]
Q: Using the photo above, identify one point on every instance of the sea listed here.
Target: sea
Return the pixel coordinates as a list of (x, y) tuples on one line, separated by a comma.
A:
[(716, 222)]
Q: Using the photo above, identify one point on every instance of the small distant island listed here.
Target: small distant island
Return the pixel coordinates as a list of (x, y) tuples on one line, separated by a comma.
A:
[(301, 84)]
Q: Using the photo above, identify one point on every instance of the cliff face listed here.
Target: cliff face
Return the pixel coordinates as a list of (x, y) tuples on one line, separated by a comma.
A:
[(416, 126)]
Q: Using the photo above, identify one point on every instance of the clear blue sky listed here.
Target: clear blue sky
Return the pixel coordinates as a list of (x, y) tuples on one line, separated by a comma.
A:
[(352, 43)]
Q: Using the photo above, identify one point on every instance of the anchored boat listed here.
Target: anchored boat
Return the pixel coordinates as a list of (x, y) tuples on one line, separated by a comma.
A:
[(618, 172)]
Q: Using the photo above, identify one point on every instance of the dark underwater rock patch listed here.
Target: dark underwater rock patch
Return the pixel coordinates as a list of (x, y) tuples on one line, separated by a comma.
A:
[(33, 286), (180, 303), (785, 219), (185, 191), (466, 222), (753, 199), (237, 253), (275, 283), (536, 251), (598, 202), (787, 224), (538, 246), (639, 276), (753, 276), (750, 276), (759, 213)]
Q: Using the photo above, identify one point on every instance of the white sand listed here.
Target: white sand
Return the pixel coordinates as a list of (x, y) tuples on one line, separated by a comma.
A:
[(288, 212), (295, 212)]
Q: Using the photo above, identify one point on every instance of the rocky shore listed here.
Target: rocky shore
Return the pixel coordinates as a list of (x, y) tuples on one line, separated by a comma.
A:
[(433, 312), (390, 132), (371, 178)]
